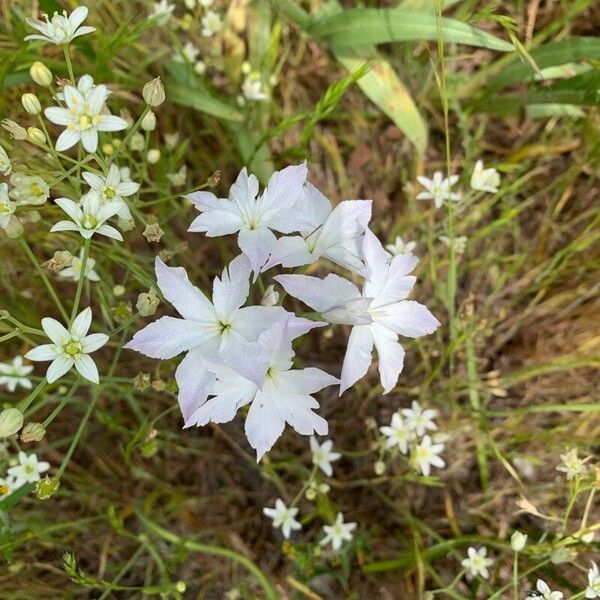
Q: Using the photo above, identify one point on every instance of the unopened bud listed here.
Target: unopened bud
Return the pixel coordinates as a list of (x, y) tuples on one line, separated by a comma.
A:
[(14, 229), (214, 179), (147, 303), (31, 103), (14, 129), (153, 156), (33, 432), (36, 136), (270, 297), (46, 487), (149, 121), (118, 290), (379, 468), (141, 381), (180, 587), (11, 420), (310, 494), (154, 92), (518, 541), (137, 142), (40, 73)]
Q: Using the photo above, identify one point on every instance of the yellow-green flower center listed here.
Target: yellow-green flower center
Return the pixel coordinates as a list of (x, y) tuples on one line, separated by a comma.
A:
[(110, 193), (89, 221), (73, 348)]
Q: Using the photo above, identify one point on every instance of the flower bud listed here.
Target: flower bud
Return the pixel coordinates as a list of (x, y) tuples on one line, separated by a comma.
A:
[(270, 297), (31, 104), (118, 290), (153, 156), (46, 487), (14, 229), (60, 260), (40, 73), (154, 92), (147, 303), (141, 381), (518, 541), (11, 420), (36, 136), (149, 121), (310, 494), (126, 224), (379, 468), (5, 164), (180, 587), (33, 432), (16, 131)]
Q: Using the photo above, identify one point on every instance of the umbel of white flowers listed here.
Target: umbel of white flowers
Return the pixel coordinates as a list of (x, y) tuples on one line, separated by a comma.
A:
[(240, 355)]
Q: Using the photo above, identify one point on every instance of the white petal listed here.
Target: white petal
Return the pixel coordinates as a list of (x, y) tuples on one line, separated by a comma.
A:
[(111, 123), (167, 337), (58, 115), (217, 222), (307, 381), (64, 226), (93, 342), (67, 139), (78, 16), (127, 188), (264, 424), (377, 265), (81, 324), (71, 208), (94, 181), (358, 356), (195, 383), (177, 289), (96, 98), (390, 354), (55, 331), (87, 368), (58, 368), (231, 290), (43, 352), (319, 294), (408, 318), (290, 251), (109, 231), (89, 139), (257, 244)]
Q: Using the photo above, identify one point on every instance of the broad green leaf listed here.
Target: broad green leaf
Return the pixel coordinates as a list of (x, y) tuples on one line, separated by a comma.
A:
[(545, 111), (366, 26), (383, 87), (549, 55), (202, 101)]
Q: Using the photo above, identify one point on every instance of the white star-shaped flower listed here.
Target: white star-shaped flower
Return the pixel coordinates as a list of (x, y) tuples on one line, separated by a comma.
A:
[(336, 234), (397, 433), (83, 116), (5, 164), (262, 375), (425, 455), (593, 587), (14, 374), (113, 188), (572, 465), (162, 11), (189, 53), (477, 562), (62, 29), (28, 470), (379, 313), (73, 271), (90, 217), (279, 208), (323, 455), (544, 592), (70, 347), (338, 533), (283, 517), (485, 180), (400, 247), (419, 420), (438, 189), (211, 23)]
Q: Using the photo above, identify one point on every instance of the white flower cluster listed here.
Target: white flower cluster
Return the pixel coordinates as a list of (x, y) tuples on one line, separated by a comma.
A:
[(240, 355), (284, 517), (26, 469), (408, 432)]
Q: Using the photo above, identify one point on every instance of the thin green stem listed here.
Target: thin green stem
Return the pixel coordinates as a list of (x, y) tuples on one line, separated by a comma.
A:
[(128, 137), (515, 576), (22, 406), (41, 273), (67, 54), (172, 538), (84, 260), (62, 404)]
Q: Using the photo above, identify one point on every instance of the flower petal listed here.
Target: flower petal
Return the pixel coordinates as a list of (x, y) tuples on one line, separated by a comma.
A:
[(93, 342), (55, 331), (86, 367), (358, 356), (67, 139), (43, 352), (60, 365), (81, 324)]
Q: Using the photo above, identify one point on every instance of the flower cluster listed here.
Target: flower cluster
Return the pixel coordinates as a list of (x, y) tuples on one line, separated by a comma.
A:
[(408, 433), (284, 517), (26, 469), (239, 355)]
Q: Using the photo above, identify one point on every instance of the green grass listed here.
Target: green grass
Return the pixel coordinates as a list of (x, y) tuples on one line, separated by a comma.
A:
[(143, 505)]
